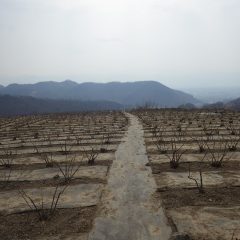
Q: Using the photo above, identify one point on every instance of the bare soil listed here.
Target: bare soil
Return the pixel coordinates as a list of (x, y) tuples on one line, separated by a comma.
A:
[(64, 222), (15, 185), (191, 197), (33, 166), (194, 166)]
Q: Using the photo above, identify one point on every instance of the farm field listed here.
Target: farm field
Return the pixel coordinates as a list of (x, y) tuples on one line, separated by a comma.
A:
[(195, 160), (52, 172), (149, 174)]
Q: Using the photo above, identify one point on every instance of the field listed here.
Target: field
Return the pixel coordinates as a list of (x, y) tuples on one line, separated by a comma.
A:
[(52, 172), (148, 174), (195, 160)]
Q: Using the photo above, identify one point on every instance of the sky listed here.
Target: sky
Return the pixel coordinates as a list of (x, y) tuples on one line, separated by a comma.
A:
[(181, 43)]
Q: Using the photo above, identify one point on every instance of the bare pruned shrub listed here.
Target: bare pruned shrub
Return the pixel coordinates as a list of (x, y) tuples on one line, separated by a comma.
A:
[(157, 134), (66, 148), (44, 212), (36, 135), (209, 129), (5, 176), (69, 168), (175, 152), (78, 138), (233, 143), (107, 136), (7, 157), (218, 151), (232, 127), (200, 140), (199, 183), (47, 157), (144, 120), (234, 138), (36, 148), (91, 155), (181, 130), (48, 140), (233, 235)]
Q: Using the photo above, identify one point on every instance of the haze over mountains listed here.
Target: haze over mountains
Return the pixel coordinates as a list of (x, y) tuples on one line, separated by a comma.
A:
[(214, 94), (234, 105), (127, 94)]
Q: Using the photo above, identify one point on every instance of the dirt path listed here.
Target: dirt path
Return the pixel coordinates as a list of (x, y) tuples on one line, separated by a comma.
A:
[(129, 211)]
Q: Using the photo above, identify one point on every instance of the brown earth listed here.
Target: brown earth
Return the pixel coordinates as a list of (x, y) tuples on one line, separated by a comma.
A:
[(176, 198), (64, 222), (194, 166)]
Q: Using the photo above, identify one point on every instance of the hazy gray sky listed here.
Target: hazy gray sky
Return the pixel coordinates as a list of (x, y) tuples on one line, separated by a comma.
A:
[(178, 42)]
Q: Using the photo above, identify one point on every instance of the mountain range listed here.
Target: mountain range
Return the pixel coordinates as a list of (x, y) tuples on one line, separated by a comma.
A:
[(69, 96), (234, 105), (126, 94), (13, 105)]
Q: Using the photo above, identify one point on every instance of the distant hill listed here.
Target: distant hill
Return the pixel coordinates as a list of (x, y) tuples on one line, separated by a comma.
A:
[(187, 106), (214, 105), (234, 105), (11, 105), (128, 93)]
